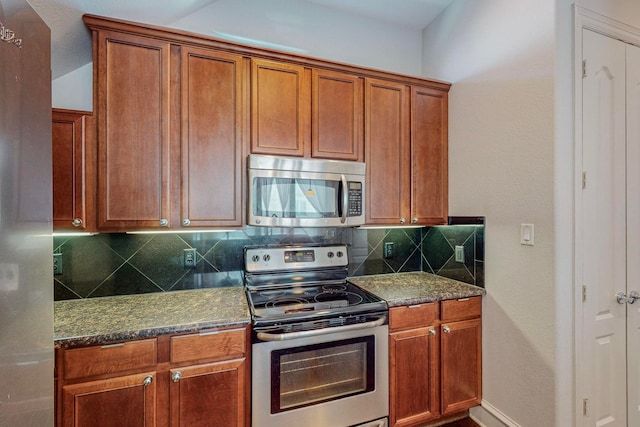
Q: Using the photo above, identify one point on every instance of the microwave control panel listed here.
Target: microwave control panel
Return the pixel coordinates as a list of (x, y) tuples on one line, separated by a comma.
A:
[(355, 198)]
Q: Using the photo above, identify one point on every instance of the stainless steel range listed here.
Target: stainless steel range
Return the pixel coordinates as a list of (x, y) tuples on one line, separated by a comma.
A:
[(320, 343)]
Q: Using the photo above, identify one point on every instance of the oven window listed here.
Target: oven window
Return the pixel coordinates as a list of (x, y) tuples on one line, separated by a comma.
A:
[(295, 198), (318, 373)]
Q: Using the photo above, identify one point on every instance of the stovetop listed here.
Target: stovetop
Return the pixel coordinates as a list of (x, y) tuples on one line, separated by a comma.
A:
[(296, 284)]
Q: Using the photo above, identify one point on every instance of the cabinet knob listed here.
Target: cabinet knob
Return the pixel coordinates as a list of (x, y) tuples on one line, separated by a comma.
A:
[(446, 329), (164, 222), (186, 222), (633, 297), (414, 220), (77, 222), (432, 331), (147, 380), (176, 376), (402, 221)]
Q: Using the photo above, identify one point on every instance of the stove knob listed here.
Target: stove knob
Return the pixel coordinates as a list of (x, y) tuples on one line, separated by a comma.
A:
[(340, 254), (330, 254), (255, 258), (266, 258)]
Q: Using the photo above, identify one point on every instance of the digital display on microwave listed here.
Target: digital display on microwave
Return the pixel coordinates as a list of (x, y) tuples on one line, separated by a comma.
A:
[(355, 185)]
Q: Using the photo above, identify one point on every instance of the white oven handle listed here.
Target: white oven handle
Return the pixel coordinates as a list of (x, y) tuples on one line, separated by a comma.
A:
[(265, 336)]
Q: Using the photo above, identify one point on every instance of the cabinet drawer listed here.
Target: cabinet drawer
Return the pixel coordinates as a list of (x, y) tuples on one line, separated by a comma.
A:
[(108, 359), (461, 308), (413, 316), (207, 345)]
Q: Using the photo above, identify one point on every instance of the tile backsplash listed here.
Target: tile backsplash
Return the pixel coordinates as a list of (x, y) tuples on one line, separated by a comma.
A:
[(122, 264)]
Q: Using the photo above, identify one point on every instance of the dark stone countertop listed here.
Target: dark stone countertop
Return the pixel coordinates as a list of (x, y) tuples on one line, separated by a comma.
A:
[(101, 320), (415, 288)]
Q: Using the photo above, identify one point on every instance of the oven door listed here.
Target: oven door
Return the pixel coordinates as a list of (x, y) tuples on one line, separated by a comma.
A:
[(328, 380)]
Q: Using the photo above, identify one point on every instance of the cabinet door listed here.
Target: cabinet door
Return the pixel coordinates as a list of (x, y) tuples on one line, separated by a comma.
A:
[(72, 133), (414, 382), (429, 162), (336, 114), (461, 365), (133, 85), (211, 394), (387, 152), (213, 108), (280, 108), (127, 401)]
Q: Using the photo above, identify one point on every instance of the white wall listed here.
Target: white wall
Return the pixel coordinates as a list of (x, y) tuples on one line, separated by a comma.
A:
[(312, 29), (499, 55)]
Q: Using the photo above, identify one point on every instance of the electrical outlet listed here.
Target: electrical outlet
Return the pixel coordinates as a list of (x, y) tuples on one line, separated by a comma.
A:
[(57, 264), (459, 253), (189, 258), (388, 249)]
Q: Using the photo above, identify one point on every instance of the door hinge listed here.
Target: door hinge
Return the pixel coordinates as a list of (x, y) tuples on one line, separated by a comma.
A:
[(584, 180), (584, 293), (584, 68), (585, 407)]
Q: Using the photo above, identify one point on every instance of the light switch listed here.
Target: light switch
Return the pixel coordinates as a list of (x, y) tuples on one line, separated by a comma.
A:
[(526, 234)]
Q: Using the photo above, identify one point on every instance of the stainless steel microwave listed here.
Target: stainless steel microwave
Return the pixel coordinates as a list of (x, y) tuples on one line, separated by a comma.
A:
[(294, 192)]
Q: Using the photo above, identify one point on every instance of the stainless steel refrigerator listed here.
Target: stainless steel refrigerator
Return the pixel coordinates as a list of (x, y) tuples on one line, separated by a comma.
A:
[(26, 278)]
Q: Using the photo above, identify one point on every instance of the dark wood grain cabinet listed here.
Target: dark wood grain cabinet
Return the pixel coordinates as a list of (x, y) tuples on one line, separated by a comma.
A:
[(198, 379), (73, 145), (406, 153), (435, 360)]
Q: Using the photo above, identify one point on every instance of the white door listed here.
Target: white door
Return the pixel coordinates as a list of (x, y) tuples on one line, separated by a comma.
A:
[(633, 231), (603, 355)]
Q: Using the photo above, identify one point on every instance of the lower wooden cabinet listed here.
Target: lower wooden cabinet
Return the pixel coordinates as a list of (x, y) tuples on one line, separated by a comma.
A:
[(199, 379), (435, 352)]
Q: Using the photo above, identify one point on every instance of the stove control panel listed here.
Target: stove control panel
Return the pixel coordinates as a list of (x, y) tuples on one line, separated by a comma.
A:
[(259, 259)]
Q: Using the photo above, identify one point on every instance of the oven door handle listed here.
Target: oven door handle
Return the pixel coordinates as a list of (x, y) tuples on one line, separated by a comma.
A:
[(265, 336)]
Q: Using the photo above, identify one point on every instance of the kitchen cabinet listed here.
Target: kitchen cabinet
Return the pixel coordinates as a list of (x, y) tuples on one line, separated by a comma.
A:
[(406, 153), (133, 90), (193, 379), (212, 109), (73, 170), (305, 112), (435, 360), (171, 129), (414, 358)]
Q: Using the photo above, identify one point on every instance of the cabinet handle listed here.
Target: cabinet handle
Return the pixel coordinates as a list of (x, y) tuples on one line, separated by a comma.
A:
[(164, 222), (77, 222), (633, 297), (176, 376), (402, 221), (186, 222), (147, 381), (446, 330), (432, 331), (414, 220)]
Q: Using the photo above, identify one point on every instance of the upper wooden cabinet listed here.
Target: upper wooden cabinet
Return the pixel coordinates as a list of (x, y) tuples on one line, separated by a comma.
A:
[(213, 107), (406, 154), (387, 152), (171, 129), (301, 111), (336, 116), (73, 170), (177, 113), (133, 94), (279, 108)]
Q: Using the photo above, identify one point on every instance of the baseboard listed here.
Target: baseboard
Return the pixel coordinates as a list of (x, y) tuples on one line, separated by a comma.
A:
[(488, 415)]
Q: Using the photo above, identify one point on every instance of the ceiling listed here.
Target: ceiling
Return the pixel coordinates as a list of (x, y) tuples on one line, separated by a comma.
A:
[(71, 41)]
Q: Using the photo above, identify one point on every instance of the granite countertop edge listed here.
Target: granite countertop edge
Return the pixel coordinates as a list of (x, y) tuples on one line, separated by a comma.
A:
[(94, 321), (411, 288)]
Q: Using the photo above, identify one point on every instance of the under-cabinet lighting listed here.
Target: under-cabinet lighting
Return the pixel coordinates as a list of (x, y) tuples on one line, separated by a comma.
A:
[(377, 227), (178, 231), (73, 234)]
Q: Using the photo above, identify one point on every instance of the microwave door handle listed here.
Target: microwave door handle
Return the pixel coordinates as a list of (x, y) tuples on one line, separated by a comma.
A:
[(345, 198)]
